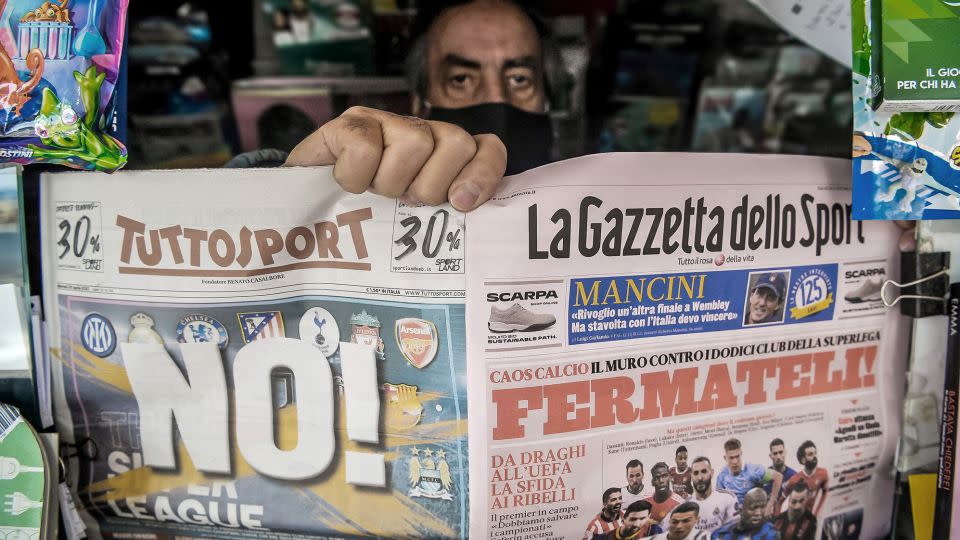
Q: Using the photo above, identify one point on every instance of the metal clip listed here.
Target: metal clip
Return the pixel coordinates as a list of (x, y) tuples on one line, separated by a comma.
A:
[(883, 290)]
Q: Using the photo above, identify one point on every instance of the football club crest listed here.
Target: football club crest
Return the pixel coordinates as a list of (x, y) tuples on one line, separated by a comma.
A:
[(202, 329), (260, 325), (318, 326), (403, 406), (142, 331), (97, 335), (365, 330), (429, 474), (417, 340)]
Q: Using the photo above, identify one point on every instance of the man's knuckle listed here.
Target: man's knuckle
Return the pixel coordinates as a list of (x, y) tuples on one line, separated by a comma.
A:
[(427, 194)]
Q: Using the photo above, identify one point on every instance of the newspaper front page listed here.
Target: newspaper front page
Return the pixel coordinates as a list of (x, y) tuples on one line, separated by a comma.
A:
[(678, 343), (254, 354)]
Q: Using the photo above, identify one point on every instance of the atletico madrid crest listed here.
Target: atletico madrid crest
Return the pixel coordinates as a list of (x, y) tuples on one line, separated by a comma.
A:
[(417, 340)]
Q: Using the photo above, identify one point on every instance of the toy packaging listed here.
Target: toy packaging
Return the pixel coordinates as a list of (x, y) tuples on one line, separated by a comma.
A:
[(906, 164), (59, 67)]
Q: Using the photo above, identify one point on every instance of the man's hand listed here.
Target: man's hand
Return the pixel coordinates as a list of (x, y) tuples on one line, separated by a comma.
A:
[(404, 156)]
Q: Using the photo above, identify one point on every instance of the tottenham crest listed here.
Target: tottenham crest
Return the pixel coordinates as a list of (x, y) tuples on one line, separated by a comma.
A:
[(417, 340), (429, 474), (317, 326)]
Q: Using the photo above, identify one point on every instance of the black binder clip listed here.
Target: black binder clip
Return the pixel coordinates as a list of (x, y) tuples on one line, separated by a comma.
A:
[(926, 282), (85, 448)]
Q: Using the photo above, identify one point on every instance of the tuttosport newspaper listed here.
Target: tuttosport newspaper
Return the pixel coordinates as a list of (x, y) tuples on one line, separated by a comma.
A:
[(676, 343), (255, 354)]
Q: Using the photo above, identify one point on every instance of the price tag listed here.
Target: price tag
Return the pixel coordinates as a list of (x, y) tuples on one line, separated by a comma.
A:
[(427, 240), (77, 229)]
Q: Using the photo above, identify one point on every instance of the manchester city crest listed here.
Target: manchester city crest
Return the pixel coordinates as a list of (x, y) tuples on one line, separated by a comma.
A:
[(417, 340), (365, 330), (202, 329), (429, 474), (97, 335), (317, 326), (403, 406), (260, 325), (142, 331)]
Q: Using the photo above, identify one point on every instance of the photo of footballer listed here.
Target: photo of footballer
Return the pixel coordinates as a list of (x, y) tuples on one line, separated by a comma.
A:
[(681, 524), (751, 523), (663, 500), (609, 517), (814, 478), (739, 477), (680, 475), (716, 505), (796, 523), (636, 524)]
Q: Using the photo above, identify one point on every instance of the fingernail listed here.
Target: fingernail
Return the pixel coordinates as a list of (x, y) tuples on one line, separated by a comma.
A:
[(465, 197)]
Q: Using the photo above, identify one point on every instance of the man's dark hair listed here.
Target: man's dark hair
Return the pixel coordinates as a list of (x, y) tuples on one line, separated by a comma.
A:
[(637, 506), (688, 506), (698, 459), (680, 448), (732, 444), (802, 451), (634, 463), (659, 465), (428, 11), (799, 487), (608, 493), (776, 442)]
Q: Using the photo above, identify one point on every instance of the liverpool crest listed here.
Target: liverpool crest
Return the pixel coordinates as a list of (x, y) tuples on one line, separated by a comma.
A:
[(430, 474), (417, 340), (366, 331), (403, 406)]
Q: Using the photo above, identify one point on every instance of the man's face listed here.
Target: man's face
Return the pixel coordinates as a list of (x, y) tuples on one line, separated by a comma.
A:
[(763, 304), (660, 478), (614, 503), (681, 461), (633, 521), (734, 462), (810, 458), (634, 477), (681, 524), (751, 514), (796, 504), (485, 52), (702, 477), (777, 455)]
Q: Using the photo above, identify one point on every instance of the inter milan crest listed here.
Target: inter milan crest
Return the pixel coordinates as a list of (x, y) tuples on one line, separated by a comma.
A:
[(260, 325), (317, 326), (97, 335), (429, 474), (202, 329), (142, 331), (417, 340), (365, 330), (403, 406)]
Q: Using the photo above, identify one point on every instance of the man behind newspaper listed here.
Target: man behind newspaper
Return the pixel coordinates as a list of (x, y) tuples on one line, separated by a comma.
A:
[(609, 517), (716, 505), (682, 524), (796, 523), (751, 523)]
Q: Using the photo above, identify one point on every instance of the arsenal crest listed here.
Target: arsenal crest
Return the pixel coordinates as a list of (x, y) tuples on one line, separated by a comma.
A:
[(403, 406), (417, 340), (261, 325), (365, 330), (429, 474)]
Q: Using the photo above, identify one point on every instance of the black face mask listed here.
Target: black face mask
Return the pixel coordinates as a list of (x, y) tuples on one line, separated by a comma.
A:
[(527, 136)]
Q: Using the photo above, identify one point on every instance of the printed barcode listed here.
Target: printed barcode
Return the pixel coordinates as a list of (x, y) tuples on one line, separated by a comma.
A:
[(945, 108), (9, 417)]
